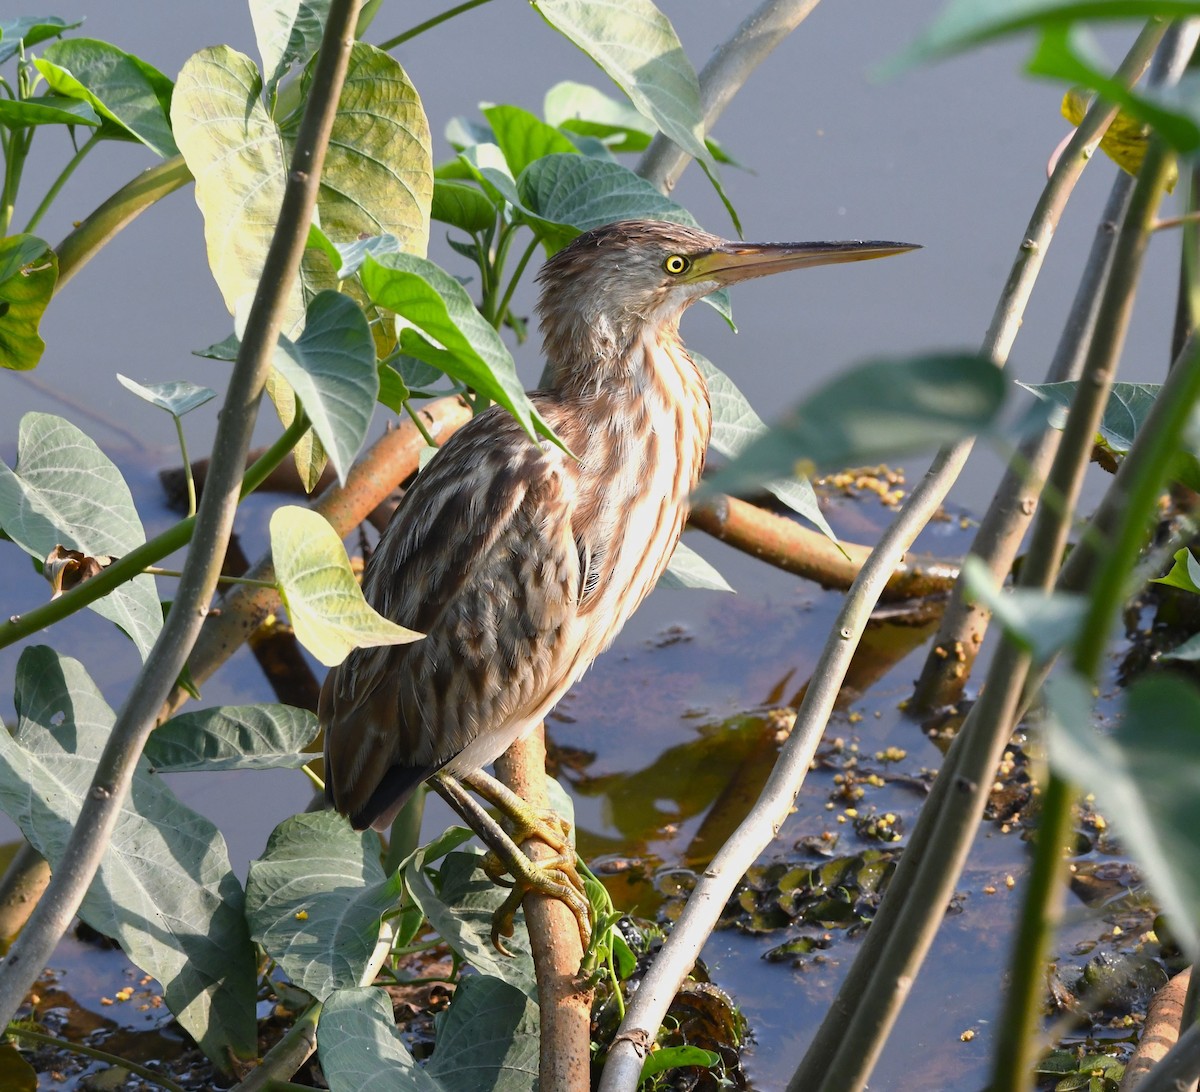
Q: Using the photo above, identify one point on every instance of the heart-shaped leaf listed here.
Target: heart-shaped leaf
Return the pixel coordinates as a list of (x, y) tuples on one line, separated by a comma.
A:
[(315, 901), (164, 889), (323, 599), (65, 491)]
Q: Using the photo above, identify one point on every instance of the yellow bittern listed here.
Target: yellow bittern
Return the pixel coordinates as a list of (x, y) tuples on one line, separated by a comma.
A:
[(519, 562)]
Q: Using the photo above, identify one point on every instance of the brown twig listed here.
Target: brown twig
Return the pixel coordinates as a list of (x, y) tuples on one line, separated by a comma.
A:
[(782, 542), (24, 881), (1160, 1032), (565, 1003)]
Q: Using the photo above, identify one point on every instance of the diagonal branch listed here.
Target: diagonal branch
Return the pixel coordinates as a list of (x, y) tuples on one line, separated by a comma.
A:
[(114, 771)]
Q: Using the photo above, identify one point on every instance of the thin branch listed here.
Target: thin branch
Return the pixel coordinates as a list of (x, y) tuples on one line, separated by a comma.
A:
[(114, 770), (787, 545), (129, 202), (1159, 1033), (287, 1055), (57, 185), (429, 24), (881, 975), (1180, 1069), (729, 68), (85, 1051), (1002, 529)]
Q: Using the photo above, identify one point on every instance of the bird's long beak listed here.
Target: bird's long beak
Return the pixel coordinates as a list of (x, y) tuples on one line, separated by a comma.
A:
[(734, 262)]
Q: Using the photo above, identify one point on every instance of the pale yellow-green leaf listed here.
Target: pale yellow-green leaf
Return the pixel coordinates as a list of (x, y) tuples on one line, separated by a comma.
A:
[(237, 156), (378, 174), (326, 605)]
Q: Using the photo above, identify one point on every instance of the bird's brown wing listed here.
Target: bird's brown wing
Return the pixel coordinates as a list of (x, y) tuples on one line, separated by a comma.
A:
[(480, 558)]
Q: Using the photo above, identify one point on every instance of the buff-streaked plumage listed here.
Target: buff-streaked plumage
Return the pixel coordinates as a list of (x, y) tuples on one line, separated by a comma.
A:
[(519, 562)]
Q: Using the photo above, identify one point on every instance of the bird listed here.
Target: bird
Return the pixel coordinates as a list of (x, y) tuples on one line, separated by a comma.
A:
[(520, 561)]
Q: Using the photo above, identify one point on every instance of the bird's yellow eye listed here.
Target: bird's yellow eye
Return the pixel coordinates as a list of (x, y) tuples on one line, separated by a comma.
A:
[(676, 264)]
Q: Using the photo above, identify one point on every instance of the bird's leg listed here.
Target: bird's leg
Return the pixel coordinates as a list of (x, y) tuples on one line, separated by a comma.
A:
[(528, 822), (557, 877)]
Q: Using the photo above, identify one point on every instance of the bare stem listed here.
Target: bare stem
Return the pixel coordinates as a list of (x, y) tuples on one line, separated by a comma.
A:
[(729, 68), (82, 1049), (852, 1034)]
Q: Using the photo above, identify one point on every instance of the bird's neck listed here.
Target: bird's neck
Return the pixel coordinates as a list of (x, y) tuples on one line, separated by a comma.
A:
[(631, 391)]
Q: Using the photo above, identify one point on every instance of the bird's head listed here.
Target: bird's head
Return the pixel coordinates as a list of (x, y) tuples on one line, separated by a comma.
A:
[(614, 281)]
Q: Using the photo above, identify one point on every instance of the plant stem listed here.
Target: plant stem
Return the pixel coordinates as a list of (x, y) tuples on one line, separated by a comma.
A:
[(851, 1036), (155, 570), (415, 417), (61, 180), (429, 24), (1018, 1039), (73, 872), (502, 310), (147, 1074), (729, 68), (136, 561), (132, 199), (188, 476), (287, 1055)]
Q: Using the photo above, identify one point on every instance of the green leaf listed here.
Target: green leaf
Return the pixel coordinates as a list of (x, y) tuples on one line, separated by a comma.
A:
[(581, 193), (1189, 650), (522, 137), (486, 164), (488, 1038), (66, 492), (580, 108), (1043, 624), (315, 901), (881, 410), (28, 272), (47, 110), (1124, 413), (361, 1049), (165, 889), (1185, 573), (636, 46), (659, 1061), (437, 305), (323, 599), (687, 569), (123, 89), (16, 1074), (393, 392), (966, 23), (331, 367), (347, 258), (287, 32), (459, 900), (30, 29), (1144, 780), (461, 206), (233, 737), (735, 425), (377, 178), (378, 174), (236, 154), (177, 398), (583, 110)]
